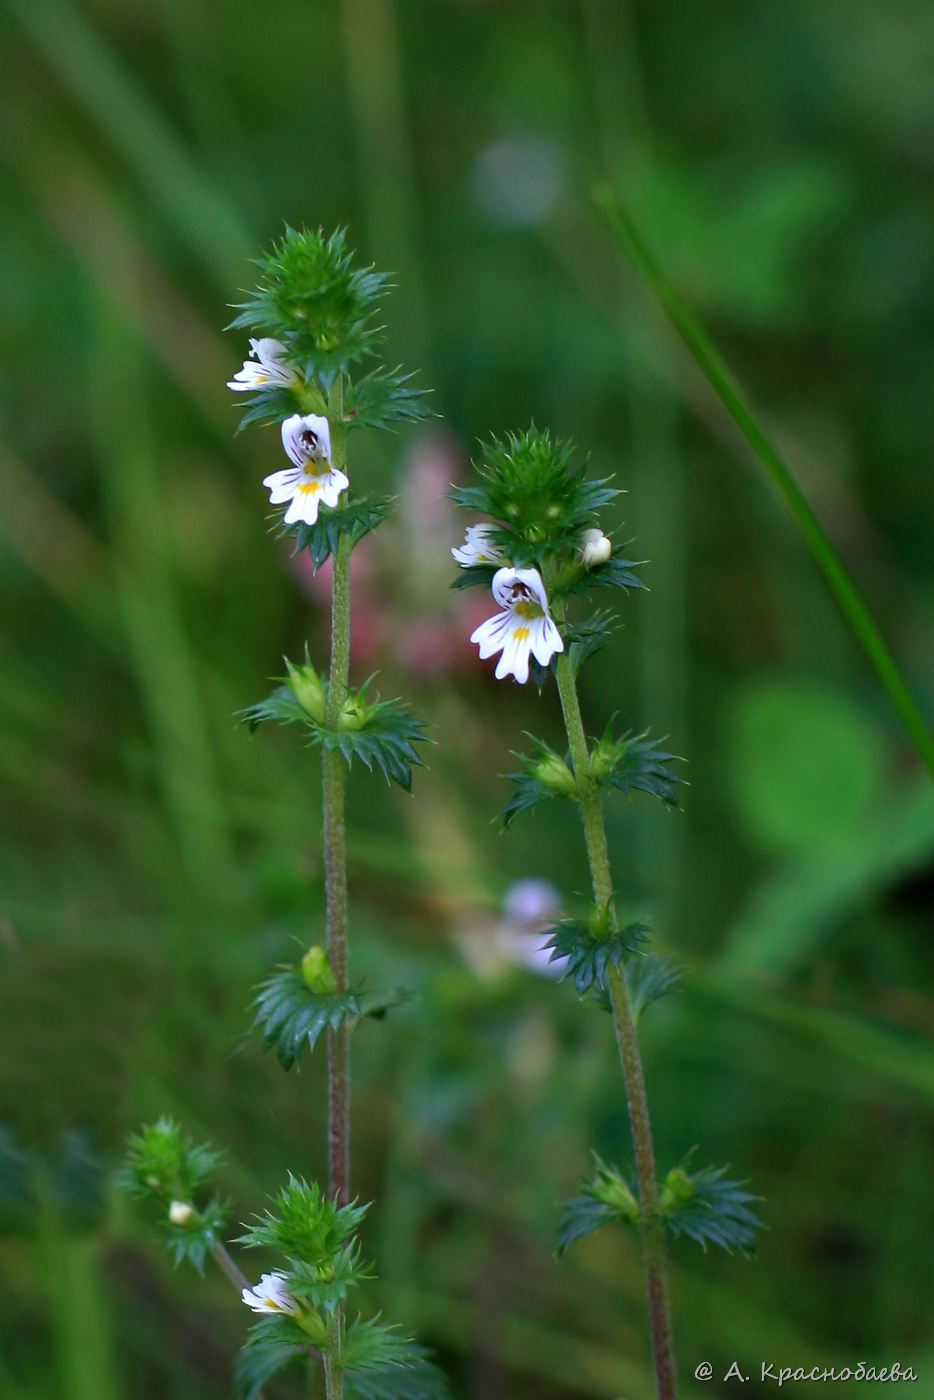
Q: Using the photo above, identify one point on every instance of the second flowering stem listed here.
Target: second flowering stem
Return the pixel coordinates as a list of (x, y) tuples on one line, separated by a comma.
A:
[(653, 1248)]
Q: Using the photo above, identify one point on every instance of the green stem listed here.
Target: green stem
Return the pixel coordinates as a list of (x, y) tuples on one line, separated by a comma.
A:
[(653, 1248), (333, 1367), (812, 531), (335, 846)]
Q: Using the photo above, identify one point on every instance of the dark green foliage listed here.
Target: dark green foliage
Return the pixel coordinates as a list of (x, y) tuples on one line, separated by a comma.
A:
[(709, 1207), (381, 733), (648, 978), (475, 576), (416, 1379), (384, 397), (605, 1197), (293, 1016), (272, 1343), (311, 297), (304, 1224), (355, 518), (591, 946), (277, 402), (617, 572), (634, 763), (541, 500), (162, 1162), (16, 1185)]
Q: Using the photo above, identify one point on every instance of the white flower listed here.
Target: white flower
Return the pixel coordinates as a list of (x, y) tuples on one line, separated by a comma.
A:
[(523, 627), (180, 1212), (477, 548), (595, 548), (312, 481), (270, 1296), (270, 369)]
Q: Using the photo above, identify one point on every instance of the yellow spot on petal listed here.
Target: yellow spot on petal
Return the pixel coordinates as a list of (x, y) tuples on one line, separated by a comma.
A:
[(308, 488), (520, 634)]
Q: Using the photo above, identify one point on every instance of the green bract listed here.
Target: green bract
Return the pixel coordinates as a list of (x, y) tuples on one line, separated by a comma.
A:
[(322, 310), (541, 503), (293, 1013)]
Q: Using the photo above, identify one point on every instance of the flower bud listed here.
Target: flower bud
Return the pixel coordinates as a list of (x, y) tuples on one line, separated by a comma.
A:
[(353, 713), (554, 774), (316, 970), (306, 685), (180, 1213), (595, 548), (612, 1190), (677, 1188)]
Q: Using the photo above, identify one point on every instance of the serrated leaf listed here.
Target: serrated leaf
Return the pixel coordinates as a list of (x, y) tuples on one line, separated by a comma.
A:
[(584, 639), (418, 1380), (717, 1212), (606, 1197), (304, 1224), (282, 705), (292, 1016), (648, 978), (355, 518), (616, 572), (272, 1343), (580, 1216), (635, 763), (386, 740), (372, 1345), (589, 954), (475, 576), (384, 397)]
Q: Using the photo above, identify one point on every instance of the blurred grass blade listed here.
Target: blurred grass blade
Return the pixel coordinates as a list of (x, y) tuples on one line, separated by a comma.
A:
[(815, 536), (128, 117)]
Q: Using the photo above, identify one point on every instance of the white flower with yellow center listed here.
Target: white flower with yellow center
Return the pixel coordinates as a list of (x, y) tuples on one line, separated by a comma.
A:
[(267, 371), (522, 629), (271, 1296), (312, 482), (478, 547)]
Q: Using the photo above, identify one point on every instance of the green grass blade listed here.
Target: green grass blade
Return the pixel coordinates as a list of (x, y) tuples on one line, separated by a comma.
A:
[(812, 531)]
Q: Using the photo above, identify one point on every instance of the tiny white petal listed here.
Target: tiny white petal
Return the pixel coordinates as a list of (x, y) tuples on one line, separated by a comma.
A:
[(180, 1212), (595, 548), (271, 1296), (477, 548)]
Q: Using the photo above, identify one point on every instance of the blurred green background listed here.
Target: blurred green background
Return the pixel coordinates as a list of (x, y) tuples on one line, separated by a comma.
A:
[(156, 861)]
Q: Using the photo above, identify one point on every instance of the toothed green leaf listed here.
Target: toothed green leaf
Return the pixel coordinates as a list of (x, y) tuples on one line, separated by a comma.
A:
[(292, 1016), (648, 978), (590, 953), (355, 518)]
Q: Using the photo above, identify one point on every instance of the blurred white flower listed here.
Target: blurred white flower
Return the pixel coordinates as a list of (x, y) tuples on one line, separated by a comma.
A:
[(180, 1212), (477, 548), (595, 548), (270, 369), (522, 629), (271, 1296), (518, 180), (312, 482)]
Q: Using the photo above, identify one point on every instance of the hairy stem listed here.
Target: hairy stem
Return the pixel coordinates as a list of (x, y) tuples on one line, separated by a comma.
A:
[(653, 1247), (229, 1268), (335, 849), (333, 1368)]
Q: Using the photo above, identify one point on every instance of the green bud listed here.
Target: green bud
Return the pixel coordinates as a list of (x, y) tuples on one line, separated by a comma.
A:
[(554, 512), (353, 713), (613, 1191), (677, 1188), (306, 685), (554, 774), (603, 758), (316, 970)]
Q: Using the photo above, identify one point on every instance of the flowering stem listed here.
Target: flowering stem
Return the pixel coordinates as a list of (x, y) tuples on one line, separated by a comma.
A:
[(653, 1248), (335, 848), (229, 1268)]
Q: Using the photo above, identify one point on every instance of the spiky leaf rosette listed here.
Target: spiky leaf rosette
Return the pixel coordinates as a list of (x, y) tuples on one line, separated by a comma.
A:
[(311, 297), (322, 309), (592, 945), (354, 518), (304, 1224), (380, 733), (165, 1166), (709, 1207), (540, 502), (293, 1015)]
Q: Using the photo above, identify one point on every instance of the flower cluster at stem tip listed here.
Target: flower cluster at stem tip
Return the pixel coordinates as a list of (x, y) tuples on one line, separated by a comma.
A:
[(539, 547)]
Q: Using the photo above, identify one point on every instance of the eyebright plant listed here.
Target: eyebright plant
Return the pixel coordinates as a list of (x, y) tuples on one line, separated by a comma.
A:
[(314, 322), (542, 552)]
